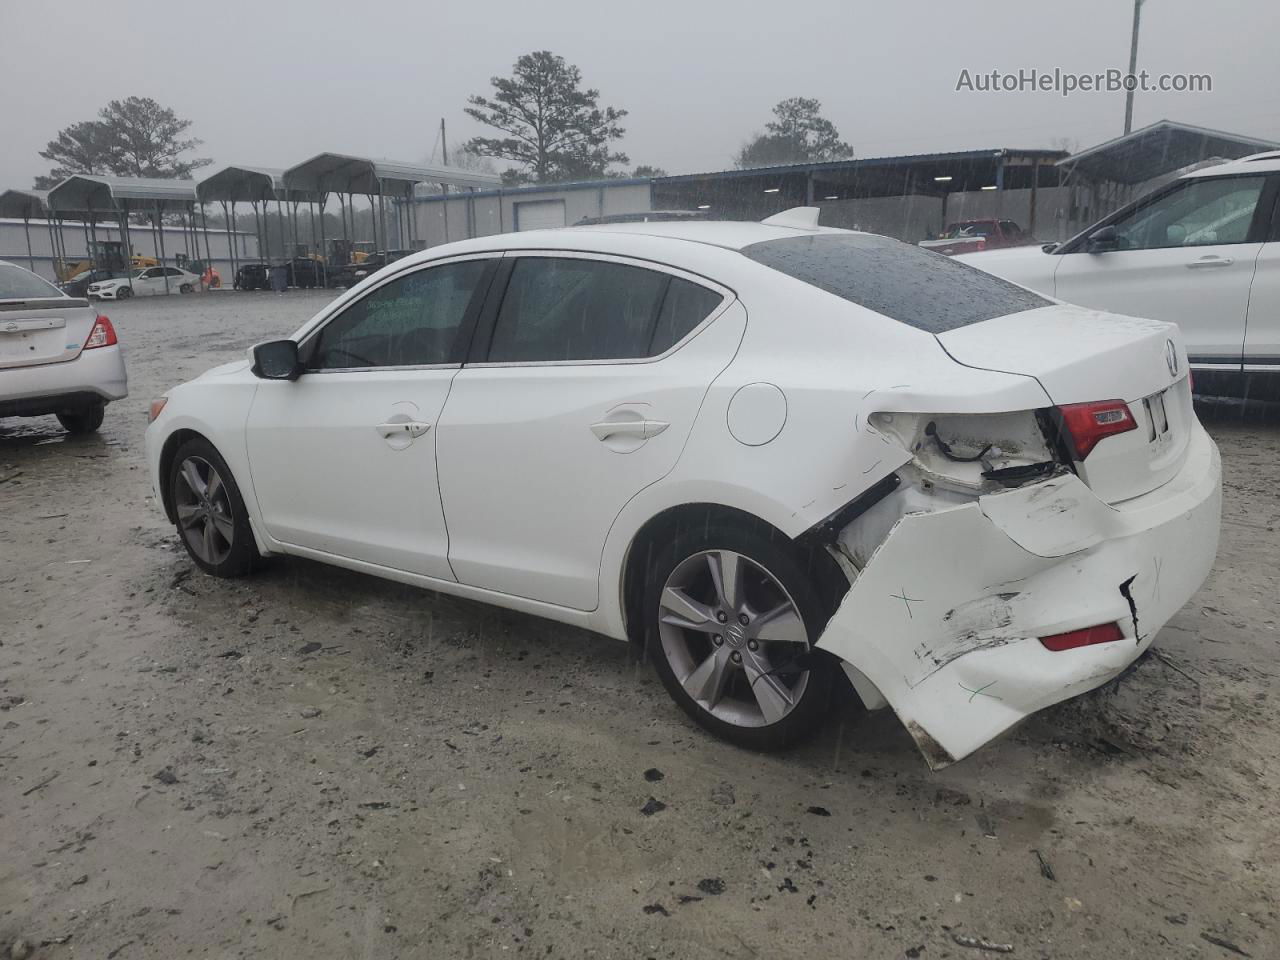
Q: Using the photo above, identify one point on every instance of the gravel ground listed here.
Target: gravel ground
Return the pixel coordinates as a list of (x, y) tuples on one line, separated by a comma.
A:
[(313, 763)]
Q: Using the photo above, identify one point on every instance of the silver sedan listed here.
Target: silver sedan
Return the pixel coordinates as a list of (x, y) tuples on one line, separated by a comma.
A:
[(57, 355)]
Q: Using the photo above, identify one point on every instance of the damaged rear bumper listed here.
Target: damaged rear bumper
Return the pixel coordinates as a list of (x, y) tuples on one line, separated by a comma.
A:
[(946, 616)]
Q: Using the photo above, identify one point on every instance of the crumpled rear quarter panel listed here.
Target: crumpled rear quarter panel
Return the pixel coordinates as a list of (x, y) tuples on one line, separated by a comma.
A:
[(945, 618)]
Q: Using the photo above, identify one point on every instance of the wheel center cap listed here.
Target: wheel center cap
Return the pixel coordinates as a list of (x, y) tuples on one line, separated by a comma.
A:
[(735, 636)]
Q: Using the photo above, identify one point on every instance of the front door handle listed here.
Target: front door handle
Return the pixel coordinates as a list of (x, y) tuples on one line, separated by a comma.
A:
[(411, 428), (1210, 262), (641, 429)]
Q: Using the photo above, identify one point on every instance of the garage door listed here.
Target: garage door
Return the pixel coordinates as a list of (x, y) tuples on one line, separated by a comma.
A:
[(539, 214)]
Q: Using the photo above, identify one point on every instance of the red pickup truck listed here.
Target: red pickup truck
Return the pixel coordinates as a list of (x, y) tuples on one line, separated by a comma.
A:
[(973, 236)]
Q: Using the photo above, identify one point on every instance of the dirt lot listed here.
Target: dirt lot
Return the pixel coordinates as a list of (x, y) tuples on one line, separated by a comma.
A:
[(312, 763)]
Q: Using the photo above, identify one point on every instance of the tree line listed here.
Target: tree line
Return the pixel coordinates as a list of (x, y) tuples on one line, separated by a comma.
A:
[(546, 125)]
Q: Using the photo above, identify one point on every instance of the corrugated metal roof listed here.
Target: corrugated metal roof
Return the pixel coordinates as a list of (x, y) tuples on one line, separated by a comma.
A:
[(24, 204), (1157, 149), (341, 173), (857, 163), (85, 192), (241, 183)]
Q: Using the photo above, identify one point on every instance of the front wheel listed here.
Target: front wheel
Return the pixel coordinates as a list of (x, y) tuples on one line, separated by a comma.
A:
[(210, 513), (124, 293), (734, 614)]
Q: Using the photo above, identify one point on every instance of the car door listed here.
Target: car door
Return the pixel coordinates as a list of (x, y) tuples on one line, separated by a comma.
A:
[(343, 459), (149, 282), (1262, 332), (1185, 255), (589, 372)]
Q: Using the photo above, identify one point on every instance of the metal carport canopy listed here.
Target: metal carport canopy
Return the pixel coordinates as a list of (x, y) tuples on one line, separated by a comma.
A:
[(1162, 147), (24, 204), (339, 173), (251, 184), (93, 192)]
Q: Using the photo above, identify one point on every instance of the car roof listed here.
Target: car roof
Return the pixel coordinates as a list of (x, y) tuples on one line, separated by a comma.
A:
[(623, 238), (1268, 162)]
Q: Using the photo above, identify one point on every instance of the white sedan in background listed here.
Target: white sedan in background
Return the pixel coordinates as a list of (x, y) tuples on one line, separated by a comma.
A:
[(57, 354), (793, 462), (148, 282), (1202, 252)]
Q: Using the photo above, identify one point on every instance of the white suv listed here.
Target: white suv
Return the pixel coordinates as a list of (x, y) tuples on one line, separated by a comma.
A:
[(57, 355), (1202, 252)]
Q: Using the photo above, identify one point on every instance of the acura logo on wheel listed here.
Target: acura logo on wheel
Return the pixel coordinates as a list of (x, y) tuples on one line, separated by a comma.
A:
[(1171, 357)]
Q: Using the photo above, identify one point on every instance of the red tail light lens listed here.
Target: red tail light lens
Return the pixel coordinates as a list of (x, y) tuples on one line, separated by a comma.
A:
[(1088, 423), (1102, 633), (102, 335)]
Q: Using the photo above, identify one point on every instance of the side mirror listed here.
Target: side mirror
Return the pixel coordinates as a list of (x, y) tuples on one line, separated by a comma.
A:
[(1049, 247), (277, 360), (1103, 240)]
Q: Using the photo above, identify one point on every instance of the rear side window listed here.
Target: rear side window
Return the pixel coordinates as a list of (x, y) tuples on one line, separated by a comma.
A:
[(569, 308), (903, 282), (685, 306), (19, 284)]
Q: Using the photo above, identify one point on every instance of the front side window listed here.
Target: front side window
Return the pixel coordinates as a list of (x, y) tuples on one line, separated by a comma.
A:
[(567, 309), (1201, 212), (414, 320)]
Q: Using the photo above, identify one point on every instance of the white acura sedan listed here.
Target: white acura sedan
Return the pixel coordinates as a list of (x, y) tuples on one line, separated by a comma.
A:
[(777, 455)]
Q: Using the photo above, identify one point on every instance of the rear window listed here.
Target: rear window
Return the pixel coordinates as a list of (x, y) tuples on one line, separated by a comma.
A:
[(903, 282), (19, 284)]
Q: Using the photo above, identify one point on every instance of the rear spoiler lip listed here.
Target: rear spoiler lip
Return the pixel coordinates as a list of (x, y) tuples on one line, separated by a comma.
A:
[(43, 303)]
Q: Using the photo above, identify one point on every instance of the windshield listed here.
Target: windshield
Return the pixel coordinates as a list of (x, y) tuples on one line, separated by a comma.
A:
[(19, 284), (907, 283)]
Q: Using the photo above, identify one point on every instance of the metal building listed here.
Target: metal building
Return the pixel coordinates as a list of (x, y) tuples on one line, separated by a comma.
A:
[(442, 219)]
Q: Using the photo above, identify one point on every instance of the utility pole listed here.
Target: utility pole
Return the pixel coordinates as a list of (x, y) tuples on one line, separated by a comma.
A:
[(1133, 66), (444, 144)]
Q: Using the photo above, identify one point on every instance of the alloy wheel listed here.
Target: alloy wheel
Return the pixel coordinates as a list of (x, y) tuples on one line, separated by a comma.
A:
[(734, 638), (204, 510)]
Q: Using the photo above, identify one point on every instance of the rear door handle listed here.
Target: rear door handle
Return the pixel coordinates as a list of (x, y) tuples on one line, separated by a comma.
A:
[(410, 428), (644, 429), (1210, 262)]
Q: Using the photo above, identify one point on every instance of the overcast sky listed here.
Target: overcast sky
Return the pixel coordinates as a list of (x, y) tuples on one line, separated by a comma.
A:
[(271, 83)]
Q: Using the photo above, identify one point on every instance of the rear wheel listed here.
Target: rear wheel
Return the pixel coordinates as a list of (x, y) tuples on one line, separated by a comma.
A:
[(211, 515), (83, 421), (734, 614), (186, 288)]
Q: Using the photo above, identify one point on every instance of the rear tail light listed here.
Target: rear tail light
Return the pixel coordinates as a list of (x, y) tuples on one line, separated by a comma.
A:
[(102, 334), (1102, 633), (1086, 424)]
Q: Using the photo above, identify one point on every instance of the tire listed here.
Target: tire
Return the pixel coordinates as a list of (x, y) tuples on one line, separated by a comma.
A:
[(124, 293), (210, 516), (83, 421), (725, 661), (186, 288)]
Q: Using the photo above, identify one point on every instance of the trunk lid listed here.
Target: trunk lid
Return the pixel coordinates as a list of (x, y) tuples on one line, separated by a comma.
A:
[(1086, 356), (49, 330)]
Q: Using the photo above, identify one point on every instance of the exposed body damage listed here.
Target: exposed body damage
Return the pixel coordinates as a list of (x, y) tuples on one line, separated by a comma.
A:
[(951, 593)]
